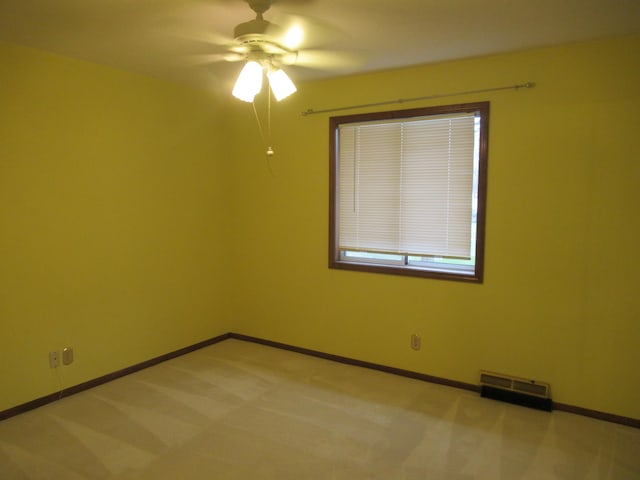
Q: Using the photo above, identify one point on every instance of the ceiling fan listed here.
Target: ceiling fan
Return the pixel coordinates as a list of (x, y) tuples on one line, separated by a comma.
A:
[(266, 47)]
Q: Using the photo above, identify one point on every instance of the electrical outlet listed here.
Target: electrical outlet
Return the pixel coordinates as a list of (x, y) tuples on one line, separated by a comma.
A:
[(416, 341), (67, 355), (54, 359)]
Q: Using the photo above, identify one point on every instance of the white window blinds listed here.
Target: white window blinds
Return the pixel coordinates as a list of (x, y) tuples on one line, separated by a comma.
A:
[(406, 186)]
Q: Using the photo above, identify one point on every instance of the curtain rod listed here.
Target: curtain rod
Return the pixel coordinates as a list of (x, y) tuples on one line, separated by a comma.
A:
[(311, 111)]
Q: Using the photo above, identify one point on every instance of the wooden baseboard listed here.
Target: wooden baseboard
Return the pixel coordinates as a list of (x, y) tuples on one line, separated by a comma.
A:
[(39, 402), (609, 417), (359, 363)]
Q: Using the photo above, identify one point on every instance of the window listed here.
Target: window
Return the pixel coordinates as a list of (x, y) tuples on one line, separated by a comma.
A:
[(407, 193)]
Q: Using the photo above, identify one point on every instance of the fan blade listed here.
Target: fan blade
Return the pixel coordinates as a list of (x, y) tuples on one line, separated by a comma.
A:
[(199, 22), (298, 31), (208, 58), (205, 38), (326, 60)]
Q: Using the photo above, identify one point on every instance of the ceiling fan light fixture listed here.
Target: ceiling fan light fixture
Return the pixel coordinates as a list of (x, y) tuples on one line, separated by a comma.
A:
[(281, 84), (249, 82)]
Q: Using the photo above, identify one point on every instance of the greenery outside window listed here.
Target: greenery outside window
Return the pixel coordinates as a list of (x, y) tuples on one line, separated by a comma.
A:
[(408, 190)]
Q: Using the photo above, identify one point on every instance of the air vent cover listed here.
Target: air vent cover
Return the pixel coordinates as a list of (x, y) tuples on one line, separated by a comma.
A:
[(529, 393)]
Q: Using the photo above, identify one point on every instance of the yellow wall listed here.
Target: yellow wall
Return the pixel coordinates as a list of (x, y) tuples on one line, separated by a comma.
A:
[(560, 299), (138, 217), (112, 217)]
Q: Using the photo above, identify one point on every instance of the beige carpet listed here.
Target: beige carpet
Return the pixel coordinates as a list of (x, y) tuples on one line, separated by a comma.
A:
[(238, 410)]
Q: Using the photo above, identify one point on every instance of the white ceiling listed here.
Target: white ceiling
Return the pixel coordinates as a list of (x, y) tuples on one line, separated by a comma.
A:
[(175, 39)]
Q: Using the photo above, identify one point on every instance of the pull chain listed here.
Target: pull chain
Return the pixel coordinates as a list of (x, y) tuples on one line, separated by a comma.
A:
[(267, 140), (270, 151), (255, 111)]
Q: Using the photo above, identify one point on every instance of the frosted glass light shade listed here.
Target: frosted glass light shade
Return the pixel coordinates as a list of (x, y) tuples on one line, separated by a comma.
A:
[(281, 84), (249, 82)]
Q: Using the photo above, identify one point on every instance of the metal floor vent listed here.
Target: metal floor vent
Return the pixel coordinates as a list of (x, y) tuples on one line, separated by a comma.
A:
[(529, 393)]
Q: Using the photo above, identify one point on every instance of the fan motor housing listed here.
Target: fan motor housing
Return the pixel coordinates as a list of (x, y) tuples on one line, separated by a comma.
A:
[(258, 26), (258, 39), (259, 6)]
